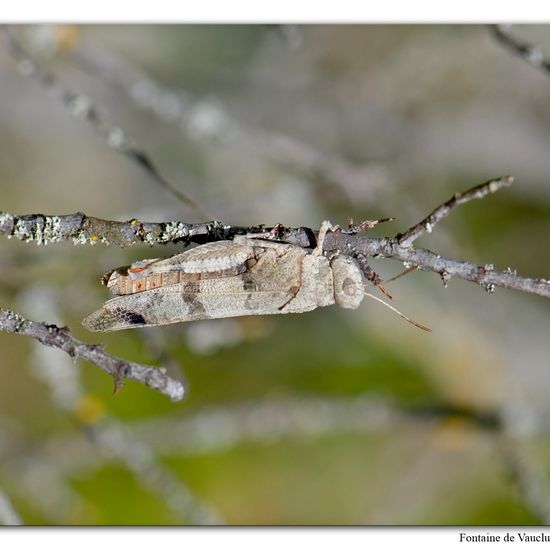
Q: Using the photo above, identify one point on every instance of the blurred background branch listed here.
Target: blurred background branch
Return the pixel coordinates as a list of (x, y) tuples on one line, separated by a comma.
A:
[(82, 107), (208, 120), (532, 54), (8, 516)]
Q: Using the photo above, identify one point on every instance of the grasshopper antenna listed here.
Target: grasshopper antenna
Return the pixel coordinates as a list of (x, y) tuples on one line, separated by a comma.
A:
[(417, 325)]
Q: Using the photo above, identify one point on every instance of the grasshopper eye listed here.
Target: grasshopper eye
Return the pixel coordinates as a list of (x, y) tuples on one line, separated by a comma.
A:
[(348, 282)]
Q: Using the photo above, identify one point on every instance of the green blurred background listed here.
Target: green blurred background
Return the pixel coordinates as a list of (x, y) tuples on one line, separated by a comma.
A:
[(330, 417)]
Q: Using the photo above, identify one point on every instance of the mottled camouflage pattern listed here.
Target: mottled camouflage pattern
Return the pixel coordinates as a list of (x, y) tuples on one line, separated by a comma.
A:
[(247, 276)]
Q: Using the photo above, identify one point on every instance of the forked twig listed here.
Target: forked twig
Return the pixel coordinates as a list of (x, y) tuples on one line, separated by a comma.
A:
[(81, 229), (400, 248)]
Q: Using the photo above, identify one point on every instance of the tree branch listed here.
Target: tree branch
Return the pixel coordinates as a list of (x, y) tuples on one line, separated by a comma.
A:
[(180, 108), (531, 54), (60, 337), (81, 229), (82, 107), (426, 260)]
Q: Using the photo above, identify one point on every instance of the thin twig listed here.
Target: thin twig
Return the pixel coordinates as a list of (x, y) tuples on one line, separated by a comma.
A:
[(60, 337), (82, 107), (141, 459), (81, 229), (428, 223), (531, 54), (223, 427), (426, 260), (399, 275), (208, 120)]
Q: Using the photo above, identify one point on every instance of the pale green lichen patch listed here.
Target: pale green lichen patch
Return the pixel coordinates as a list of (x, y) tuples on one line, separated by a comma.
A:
[(85, 237), (37, 230), (149, 237), (5, 219), (6, 224), (173, 231), (40, 229), (52, 230), (82, 237), (18, 322), (23, 231)]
